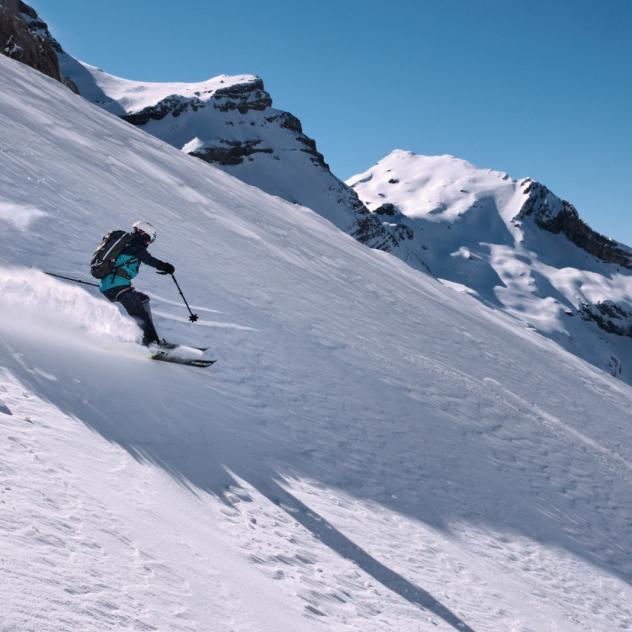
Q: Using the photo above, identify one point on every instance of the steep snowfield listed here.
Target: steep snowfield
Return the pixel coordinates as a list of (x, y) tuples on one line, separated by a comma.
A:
[(471, 229), (372, 452)]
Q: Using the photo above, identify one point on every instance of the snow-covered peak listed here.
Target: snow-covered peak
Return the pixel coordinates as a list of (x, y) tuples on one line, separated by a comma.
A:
[(512, 243), (135, 96), (437, 188)]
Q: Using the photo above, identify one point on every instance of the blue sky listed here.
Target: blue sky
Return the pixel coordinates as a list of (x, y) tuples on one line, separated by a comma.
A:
[(533, 88)]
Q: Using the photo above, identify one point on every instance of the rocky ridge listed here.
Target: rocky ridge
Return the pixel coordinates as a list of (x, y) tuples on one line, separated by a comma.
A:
[(243, 97), (230, 122), (25, 37), (560, 216), (609, 316)]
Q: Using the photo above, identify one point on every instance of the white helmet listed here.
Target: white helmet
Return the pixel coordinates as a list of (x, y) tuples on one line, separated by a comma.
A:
[(145, 229)]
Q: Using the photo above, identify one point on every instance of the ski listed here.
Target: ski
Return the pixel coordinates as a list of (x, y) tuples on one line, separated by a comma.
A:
[(171, 345), (198, 362), (180, 354)]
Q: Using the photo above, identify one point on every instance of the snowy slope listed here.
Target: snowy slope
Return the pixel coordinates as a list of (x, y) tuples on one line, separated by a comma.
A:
[(372, 452), (515, 246), (539, 278), (575, 295)]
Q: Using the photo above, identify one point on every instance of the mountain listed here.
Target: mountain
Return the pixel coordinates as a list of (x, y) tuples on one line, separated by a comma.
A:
[(515, 246), (226, 121), (229, 121), (373, 451)]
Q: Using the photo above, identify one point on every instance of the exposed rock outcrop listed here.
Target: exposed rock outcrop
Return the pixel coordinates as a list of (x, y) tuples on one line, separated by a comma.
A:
[(387, 209), (24, 37), (370, 231), (242, 97), (609, 316), (174, 105), (559, 216), (230, 152)]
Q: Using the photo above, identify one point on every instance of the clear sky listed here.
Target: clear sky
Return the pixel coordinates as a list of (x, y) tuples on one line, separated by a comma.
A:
[(531, 87)]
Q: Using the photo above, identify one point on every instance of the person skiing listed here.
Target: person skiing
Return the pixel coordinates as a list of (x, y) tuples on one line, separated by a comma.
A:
[(117, 285)]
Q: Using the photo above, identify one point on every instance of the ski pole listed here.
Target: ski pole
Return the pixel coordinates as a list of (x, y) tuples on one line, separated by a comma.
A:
[(193, 317), (60, 276)]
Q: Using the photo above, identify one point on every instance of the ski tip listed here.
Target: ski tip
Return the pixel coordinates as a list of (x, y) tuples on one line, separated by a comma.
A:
[(203, 363)]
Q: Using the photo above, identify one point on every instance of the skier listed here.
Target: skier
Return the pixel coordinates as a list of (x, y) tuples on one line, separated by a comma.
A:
[(117, 286)]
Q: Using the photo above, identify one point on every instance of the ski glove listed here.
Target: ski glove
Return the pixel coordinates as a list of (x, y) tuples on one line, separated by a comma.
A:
[(167, 268)]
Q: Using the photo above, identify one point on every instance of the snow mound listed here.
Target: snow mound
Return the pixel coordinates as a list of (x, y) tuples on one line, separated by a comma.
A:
[(19, 216), (36, 302)]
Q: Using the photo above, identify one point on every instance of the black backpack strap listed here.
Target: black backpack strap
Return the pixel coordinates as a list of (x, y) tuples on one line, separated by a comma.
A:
[(115, 271)]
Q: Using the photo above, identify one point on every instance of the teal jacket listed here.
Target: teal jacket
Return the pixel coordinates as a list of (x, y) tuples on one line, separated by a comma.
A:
[(128, 265)]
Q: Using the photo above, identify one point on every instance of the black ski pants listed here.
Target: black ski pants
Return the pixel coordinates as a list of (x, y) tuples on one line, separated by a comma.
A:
[(137, 306)]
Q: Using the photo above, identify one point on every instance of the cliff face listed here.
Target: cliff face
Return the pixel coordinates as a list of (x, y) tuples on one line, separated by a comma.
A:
[(242, 97), (24, 37), (609, 316), (559, 216)]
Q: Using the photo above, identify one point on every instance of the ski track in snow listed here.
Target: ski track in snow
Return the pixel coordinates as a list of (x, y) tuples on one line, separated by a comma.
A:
[(372, 451), (218, 324)]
